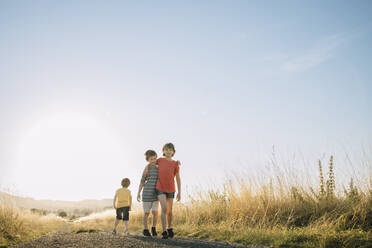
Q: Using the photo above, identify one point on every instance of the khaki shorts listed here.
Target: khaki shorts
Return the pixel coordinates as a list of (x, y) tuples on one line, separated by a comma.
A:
[(147, 206)]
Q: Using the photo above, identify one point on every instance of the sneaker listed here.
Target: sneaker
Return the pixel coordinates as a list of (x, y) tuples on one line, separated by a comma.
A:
[(146, 233), (170, 233), (113, 232), (164, 235), (153, 231)]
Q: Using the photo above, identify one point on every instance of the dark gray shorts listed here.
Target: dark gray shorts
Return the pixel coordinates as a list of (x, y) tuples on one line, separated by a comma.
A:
[(122, 213), (168, 195)]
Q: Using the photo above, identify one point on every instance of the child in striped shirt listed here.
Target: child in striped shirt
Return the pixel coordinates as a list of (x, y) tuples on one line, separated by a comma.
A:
[(149, 196)]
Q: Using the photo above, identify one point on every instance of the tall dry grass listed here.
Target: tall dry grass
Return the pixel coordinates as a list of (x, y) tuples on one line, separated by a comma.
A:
[(279, 212), (19, 225), (276, 210), (276, 203)]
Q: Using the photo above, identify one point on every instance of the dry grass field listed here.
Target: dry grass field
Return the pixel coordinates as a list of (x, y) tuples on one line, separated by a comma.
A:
[(277, 213), (20, 225)]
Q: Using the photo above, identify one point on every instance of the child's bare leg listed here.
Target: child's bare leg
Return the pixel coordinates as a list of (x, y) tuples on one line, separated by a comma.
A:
[(116, 223), (125, 226), (154, 218), (163, 204), (145, 220), (169, 212)]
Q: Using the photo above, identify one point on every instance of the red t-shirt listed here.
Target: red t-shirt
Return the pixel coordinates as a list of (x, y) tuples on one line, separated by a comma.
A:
[(167, 170)]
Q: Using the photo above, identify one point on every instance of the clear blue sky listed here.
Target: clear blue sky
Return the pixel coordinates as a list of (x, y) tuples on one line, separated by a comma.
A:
[(223, 80)]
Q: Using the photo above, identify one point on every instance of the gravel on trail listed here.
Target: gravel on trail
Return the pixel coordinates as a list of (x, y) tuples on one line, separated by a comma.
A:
[(107, 239)]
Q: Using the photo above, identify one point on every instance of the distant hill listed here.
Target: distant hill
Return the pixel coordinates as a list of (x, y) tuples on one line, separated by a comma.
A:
[(29, 203)]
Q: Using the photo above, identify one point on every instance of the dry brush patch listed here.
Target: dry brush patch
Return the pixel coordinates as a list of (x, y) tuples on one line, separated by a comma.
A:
[(19, 225), (280, 211)]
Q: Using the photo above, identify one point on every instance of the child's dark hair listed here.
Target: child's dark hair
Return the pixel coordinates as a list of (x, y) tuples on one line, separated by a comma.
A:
[(125, 182), (150, 153), (169, 146)]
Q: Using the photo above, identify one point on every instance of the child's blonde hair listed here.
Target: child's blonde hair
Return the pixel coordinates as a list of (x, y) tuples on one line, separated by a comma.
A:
[(125, 182)]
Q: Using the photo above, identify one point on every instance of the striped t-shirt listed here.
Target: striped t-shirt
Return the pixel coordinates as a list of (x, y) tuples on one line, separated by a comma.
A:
[(149, 193)]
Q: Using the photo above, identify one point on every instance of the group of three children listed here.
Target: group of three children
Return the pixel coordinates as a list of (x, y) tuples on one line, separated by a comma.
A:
[(157, 183)]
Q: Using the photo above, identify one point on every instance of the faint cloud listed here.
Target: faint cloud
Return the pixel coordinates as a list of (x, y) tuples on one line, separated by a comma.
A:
[(272, 58), (321, 52)]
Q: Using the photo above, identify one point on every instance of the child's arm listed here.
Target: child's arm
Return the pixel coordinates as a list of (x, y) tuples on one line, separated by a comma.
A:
[(114, 203), (178, 179), (130, 202), (142, 183)]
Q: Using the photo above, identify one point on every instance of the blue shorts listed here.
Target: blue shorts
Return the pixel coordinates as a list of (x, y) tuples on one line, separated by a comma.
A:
[(168, 195)]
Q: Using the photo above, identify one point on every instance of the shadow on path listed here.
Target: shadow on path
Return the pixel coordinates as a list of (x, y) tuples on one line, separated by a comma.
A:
[(185, 242)]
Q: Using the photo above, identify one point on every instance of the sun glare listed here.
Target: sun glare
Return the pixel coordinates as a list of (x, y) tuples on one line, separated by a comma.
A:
[(63, 155)]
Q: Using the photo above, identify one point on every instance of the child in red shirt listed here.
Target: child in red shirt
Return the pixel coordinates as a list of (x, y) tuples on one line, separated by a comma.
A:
[(165, 188)]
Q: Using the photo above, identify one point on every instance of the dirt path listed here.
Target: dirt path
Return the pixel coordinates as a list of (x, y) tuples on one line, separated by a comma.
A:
[(106, 239)]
